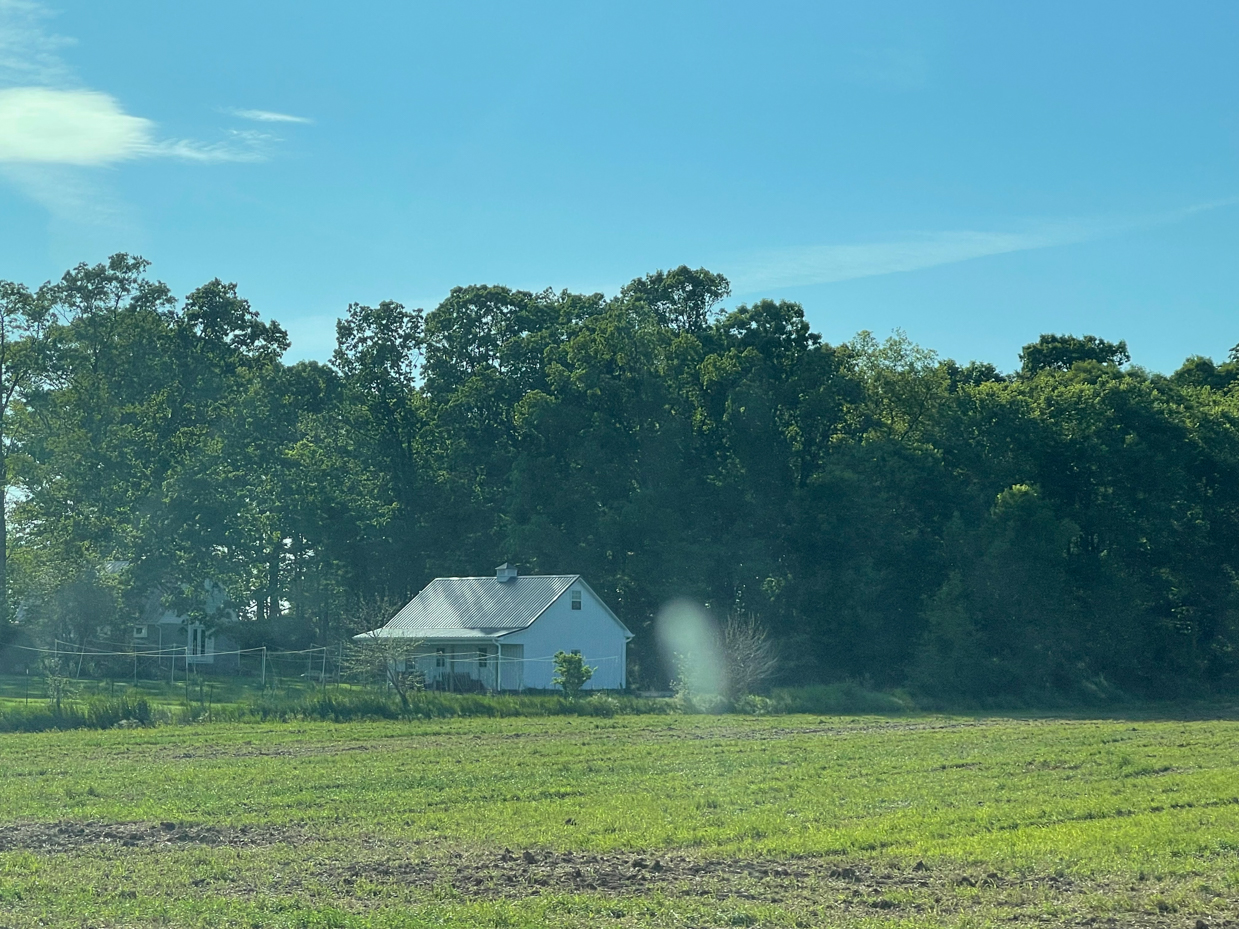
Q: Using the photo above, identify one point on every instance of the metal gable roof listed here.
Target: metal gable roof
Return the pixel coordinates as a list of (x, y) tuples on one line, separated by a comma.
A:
[(475, 607)]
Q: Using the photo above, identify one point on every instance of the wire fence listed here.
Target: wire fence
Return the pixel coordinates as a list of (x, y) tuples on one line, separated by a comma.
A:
[(319, 665)]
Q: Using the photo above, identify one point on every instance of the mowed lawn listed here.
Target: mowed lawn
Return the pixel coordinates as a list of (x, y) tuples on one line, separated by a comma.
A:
[(632, 821)]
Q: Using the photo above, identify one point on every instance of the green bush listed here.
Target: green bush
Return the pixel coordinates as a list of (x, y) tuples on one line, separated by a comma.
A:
[(708, 704), (602, 705), (752, 705), (103, 713), (571, 673), (42, 719), (833, 699)]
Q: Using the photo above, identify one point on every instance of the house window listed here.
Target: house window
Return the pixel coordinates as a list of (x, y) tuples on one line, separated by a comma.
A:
[(440, 656), (481, 657), (576, 599), (139, 632)]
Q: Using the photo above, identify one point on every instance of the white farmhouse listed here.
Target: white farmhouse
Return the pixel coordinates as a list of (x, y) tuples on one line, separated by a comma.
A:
[(170, 637), (502, 632)]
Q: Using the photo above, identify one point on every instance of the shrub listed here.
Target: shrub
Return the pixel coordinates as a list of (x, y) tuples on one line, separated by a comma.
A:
[(845, 697), (751, 705), (571, 673), (602, 705), (102, 713), (750, 657), (709, 704)]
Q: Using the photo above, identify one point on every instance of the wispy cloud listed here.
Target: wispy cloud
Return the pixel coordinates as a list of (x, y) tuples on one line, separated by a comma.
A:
[(239, 146), (824, 264), (268, 116), (76, 127), (41, 125), (53, 130), (28, 53), (71, 196)]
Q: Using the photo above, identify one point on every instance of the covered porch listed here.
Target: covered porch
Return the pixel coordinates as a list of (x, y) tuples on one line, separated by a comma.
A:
[(469, 665)]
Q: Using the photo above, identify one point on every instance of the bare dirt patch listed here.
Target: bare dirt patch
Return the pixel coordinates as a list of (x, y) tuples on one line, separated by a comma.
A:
[(74, 836), (825, 890), (532, 872)]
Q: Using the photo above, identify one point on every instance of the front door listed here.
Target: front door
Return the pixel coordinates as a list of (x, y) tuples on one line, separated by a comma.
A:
[(511, 667)]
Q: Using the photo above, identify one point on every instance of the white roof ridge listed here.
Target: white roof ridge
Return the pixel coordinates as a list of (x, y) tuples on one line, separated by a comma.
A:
[(491, 577)]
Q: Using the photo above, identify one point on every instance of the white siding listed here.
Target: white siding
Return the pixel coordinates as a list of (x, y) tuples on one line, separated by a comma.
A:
[(513, 667), (591, 630)]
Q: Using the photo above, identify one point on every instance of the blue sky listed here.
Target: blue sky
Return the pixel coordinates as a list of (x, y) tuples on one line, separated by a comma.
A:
[(974, 173)]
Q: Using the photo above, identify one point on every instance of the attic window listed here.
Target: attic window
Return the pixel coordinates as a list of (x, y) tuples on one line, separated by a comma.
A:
[(139, 632), (576, 599)]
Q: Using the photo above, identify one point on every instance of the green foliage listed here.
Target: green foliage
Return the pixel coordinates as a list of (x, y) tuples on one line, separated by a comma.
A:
[(681, 299), (843, 697), (1061, 352), (1199, 371), (1068, 533), (60, 687), (692, 702), (98, 713), (571, 673), (752, 705), (366, 705)]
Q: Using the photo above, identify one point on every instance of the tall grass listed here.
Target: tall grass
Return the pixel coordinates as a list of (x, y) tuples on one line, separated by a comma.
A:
[(98, 713), (833, 699), (103, 712), (344, 706), (332, 706)]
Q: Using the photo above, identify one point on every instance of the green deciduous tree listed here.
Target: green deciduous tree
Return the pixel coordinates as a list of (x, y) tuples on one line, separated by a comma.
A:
[(1060, 352), (892, 516), (26, 319), (571, 673)]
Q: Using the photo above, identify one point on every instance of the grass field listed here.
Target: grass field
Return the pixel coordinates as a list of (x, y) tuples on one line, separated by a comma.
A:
[(632, 821)]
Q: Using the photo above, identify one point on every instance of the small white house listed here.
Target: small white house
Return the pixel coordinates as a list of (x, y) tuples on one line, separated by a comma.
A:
[(502, 632), (169, 636)]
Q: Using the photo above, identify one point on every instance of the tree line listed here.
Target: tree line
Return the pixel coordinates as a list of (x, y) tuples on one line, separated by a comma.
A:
[(1066, 531)]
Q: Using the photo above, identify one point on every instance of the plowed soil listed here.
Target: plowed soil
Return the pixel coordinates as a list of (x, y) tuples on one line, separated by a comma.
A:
[(70, 836), (831, 889)]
